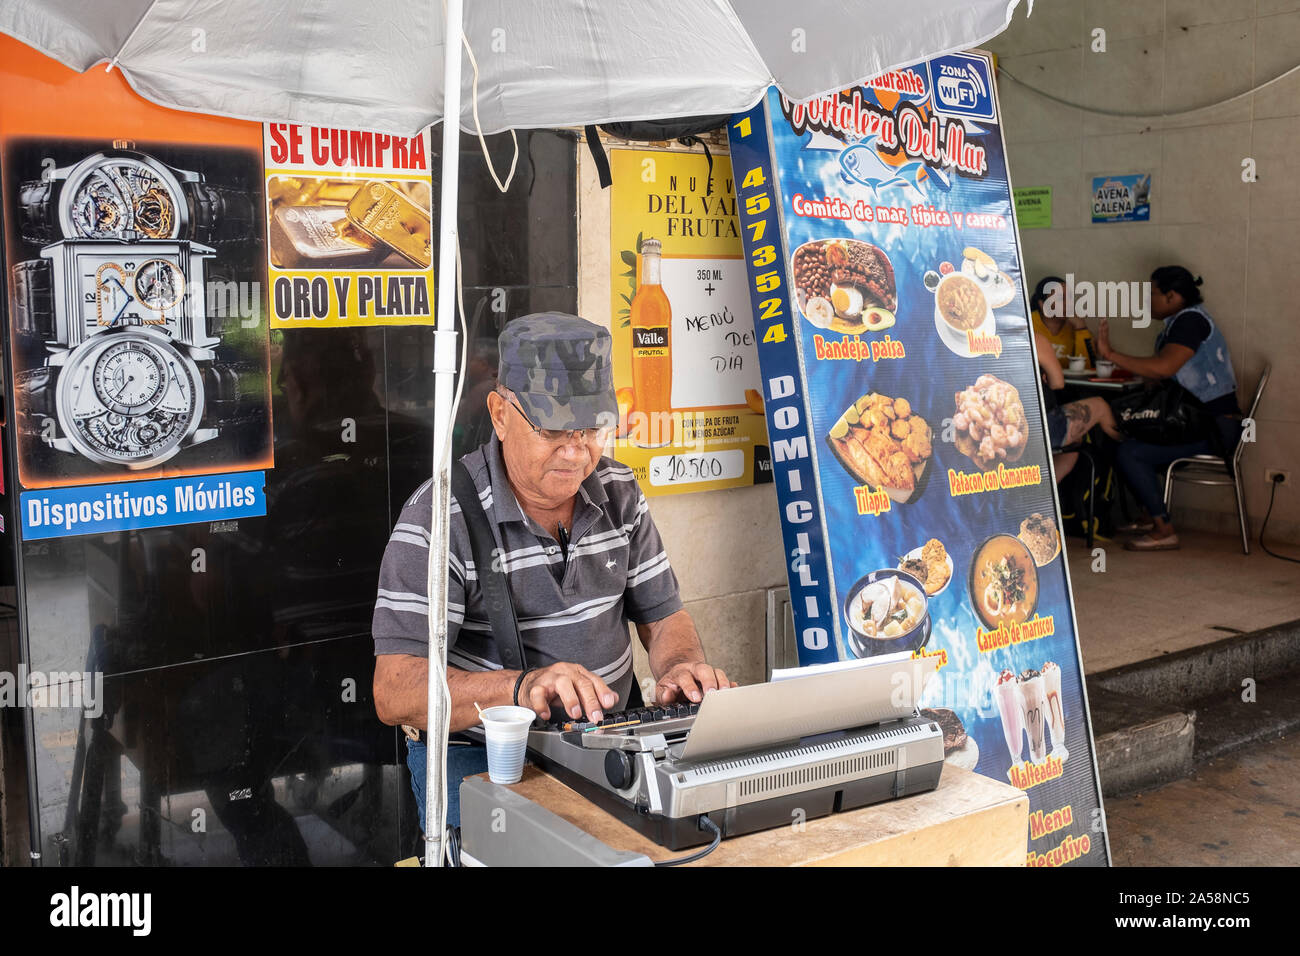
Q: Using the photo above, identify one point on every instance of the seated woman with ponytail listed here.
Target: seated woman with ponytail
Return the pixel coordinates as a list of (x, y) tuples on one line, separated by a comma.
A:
[(1191, 350)]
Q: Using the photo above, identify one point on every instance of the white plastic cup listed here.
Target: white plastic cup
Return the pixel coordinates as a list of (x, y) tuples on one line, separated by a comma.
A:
[(1078, 363), (506, 729)]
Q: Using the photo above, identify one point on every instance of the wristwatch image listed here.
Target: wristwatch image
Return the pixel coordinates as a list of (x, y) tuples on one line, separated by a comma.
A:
[(123, 193), (128, 398), (115, 309), (130, 369)]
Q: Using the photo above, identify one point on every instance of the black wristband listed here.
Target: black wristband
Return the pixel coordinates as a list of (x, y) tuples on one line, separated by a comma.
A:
[(519, 682)]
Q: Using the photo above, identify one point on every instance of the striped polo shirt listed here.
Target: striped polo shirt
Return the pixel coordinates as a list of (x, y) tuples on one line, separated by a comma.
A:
[(575, 610)]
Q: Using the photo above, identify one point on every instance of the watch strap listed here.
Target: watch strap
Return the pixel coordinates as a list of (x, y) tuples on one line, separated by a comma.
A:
[(38, 214), (219, 213), (225, 403), (34, 399), (33, 298)]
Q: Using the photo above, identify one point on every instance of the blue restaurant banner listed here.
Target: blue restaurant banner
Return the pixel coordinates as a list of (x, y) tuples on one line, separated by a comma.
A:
[(909, 451), (99, 509), (1121, 198)]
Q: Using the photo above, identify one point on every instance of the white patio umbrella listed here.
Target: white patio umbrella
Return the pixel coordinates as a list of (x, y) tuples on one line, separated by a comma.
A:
[(385, 65)]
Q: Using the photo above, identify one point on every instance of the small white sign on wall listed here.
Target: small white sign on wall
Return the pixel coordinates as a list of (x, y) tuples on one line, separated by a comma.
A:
[(714, 355)]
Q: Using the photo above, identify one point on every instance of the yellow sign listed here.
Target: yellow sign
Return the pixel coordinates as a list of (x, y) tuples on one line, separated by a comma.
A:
[(685, 362), (349, 227)]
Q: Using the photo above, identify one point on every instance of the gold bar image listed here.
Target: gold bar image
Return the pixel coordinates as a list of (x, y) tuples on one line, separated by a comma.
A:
[(320, 237), (310, 191), (335, 192), (390, 216)]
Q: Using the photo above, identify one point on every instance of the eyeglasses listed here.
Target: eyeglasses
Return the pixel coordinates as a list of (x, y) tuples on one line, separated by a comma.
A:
[(559, 436)]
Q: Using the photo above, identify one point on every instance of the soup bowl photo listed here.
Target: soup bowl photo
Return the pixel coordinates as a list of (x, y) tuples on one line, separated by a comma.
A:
[(961, 307), (890, 629), (1003, 581)]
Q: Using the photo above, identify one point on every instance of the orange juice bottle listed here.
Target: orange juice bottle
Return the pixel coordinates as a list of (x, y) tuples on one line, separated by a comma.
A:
[(652, 364)]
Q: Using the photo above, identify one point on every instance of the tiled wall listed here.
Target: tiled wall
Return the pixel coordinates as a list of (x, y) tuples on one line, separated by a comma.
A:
[(725, 546), (1241, 237)]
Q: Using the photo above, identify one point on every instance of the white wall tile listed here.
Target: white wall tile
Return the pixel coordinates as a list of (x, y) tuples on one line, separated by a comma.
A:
[(1205, 64), (1054, 25), (1122, 19), (1200, 178), (1277, 40), (1029, 117), (1190, 13), (721, 542), (1274, 145)]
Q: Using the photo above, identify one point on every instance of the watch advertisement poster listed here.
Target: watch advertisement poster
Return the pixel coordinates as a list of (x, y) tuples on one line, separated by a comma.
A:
[(349, 227), (908, 441), (685, 357), (136, 284)]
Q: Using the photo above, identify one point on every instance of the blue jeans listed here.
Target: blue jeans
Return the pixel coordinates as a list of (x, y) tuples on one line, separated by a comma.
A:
[(463, 760), (1142, 465)]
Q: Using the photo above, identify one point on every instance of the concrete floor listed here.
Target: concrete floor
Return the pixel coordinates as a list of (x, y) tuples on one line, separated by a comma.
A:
[(1239, 810), (1147, 604)]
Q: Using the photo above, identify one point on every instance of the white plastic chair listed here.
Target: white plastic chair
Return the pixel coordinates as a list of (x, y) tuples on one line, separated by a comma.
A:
[(1214, 470)]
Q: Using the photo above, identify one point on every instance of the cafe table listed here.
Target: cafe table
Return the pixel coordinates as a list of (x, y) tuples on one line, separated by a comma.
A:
[(1090, 383)]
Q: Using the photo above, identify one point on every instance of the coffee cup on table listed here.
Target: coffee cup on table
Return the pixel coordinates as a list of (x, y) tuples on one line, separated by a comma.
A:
[(1078, 363), (1105, 369)]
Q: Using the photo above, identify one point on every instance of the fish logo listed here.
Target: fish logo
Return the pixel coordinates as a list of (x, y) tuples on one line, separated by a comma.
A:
[(860, 161)]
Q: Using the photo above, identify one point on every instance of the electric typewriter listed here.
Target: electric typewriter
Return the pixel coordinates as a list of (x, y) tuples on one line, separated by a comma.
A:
[(753, 757)]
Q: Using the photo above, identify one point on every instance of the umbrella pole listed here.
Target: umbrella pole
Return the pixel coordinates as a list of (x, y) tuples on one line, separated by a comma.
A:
[(444, 370)]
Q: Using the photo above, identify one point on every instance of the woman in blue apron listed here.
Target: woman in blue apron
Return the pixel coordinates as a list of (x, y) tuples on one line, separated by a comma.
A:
[(1191, 350)]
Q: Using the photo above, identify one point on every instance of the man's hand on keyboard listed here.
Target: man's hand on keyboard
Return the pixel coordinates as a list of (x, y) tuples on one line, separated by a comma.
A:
[(690, 681), (570, 686)]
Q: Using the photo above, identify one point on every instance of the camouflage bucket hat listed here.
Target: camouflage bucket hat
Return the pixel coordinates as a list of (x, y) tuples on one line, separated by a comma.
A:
[(559, 367)]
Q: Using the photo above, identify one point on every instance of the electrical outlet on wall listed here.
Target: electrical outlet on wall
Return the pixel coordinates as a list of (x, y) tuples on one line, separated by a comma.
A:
[(1275, 474)]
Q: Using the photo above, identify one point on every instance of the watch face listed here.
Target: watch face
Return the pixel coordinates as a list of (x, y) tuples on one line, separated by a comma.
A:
[(121, 197), (118, 291), (130, 378), (159, 284), (129, 398)]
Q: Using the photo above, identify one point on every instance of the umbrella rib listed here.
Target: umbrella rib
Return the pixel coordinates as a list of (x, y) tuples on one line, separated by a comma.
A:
[(131, 36)]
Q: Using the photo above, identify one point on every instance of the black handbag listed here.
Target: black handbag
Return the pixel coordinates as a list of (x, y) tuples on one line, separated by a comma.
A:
[(1167, 414), (685, 129)]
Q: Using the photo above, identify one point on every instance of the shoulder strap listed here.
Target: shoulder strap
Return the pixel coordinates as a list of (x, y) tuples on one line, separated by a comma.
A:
[(491, 573)]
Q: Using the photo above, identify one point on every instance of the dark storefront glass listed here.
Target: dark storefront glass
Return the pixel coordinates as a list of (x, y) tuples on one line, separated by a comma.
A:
[(238, 724)]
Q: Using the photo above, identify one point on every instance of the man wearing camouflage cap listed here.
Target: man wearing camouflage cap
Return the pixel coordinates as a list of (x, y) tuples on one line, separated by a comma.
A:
[(579, 548)]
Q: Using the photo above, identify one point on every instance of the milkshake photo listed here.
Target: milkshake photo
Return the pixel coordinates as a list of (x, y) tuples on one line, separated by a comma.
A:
[(1033, 699), (1009, 708), (1055, 709)]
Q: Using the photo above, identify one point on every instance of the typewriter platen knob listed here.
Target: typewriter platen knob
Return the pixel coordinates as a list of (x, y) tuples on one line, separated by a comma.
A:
[(620, 770)]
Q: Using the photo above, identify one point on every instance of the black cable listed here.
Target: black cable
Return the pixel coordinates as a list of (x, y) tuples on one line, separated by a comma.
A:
[(705, 824), (453, 845), (1272, 495)]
